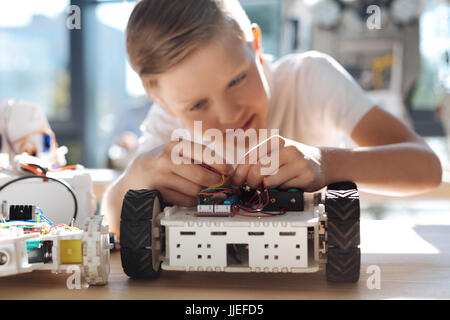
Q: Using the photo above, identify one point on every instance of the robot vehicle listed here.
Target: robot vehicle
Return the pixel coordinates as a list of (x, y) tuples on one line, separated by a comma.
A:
[(245, 230)]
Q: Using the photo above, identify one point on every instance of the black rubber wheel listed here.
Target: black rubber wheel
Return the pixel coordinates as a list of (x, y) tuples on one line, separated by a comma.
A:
[(343, 232), (139, 208)]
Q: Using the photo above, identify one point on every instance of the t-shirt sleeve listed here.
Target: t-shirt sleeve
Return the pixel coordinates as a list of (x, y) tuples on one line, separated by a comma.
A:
[(332, 92), (156, 129)]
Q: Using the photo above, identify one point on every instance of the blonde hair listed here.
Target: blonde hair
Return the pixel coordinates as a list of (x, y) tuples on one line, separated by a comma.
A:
[(161, 33)]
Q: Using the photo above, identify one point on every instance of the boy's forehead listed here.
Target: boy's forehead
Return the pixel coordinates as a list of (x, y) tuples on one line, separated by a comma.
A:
[(213, 63)]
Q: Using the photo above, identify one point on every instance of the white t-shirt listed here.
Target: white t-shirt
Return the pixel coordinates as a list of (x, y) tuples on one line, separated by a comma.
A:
[(314, 100)]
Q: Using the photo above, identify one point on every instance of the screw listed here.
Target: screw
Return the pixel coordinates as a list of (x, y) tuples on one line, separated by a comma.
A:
[(3, 258)]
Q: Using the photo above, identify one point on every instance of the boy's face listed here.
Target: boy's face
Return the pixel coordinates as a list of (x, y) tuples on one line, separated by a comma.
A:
[(221, 84)]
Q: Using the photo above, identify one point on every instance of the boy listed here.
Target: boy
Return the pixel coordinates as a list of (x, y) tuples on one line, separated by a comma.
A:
[(202, 60)]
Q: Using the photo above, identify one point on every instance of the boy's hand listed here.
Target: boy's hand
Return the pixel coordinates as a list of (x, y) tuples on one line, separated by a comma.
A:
[(299, 166), (179, 183)]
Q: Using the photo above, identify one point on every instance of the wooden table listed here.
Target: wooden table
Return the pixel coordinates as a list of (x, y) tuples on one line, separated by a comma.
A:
[(414, 261)]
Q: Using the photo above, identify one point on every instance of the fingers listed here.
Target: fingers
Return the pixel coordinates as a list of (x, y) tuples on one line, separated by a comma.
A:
[(285, 173), (178, 198), (181, 184), (178, 190), (283, 167), (302, 182), (265, 153), (240, 174), (265, 148), (189, 152), (198, 174)]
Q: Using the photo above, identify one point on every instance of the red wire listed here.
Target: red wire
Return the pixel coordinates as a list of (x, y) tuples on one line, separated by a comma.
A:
[(255, 216), (69, 167), (33, 169), (267, 199), (56, 225), (258, 204)]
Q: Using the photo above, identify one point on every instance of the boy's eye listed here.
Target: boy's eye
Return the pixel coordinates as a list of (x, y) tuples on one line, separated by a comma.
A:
[(238, 80), (197, 106)]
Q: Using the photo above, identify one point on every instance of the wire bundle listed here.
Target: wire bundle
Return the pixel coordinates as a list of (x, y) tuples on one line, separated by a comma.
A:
[(42, 224), (47, 178), (254, 205), (41, 171), (216, 189)]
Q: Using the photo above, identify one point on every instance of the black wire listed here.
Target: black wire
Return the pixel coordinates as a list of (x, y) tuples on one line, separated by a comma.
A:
[(68, 187)]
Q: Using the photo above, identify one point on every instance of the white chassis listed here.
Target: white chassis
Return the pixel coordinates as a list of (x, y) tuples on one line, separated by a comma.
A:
[(293, 242), (95, 251)]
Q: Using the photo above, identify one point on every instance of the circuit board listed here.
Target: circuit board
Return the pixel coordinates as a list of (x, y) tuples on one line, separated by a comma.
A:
[(222, 201)]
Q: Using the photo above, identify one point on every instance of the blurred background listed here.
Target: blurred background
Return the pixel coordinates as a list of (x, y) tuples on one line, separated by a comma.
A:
[(398, 52)]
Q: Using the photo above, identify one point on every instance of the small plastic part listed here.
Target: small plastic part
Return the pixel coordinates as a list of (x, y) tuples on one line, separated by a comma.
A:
[(113, 242), (96, 251), (231, 200), (71, 251), (46, 145)]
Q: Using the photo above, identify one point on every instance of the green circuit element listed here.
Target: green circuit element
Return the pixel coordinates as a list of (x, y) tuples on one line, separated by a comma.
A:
[(31, 244)]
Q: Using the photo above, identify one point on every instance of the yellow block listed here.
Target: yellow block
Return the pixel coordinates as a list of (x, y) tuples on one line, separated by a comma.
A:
[(71, 251)]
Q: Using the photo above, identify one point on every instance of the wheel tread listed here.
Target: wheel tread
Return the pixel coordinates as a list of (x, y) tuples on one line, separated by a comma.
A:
[(343, 232), (136, 233)]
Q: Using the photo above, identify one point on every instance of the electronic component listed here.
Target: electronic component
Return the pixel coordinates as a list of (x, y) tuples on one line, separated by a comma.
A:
[(217, 205), (20, 212), (39, 251), (204, 199), (246, 193), (281, 199)]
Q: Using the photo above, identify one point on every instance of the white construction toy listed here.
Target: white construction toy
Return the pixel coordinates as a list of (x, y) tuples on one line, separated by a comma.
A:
[(39, 244), (244, 231), (34, 176)]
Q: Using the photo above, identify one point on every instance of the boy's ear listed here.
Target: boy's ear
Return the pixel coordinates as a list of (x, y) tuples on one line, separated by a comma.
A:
[(154, 97), (257, 42)]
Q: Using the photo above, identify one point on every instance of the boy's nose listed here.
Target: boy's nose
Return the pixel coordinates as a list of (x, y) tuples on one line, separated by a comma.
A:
[(230, 115)]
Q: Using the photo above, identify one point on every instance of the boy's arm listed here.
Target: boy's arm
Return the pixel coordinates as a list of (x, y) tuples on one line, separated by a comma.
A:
[(111, 205), (390, 159), (179, 183)]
